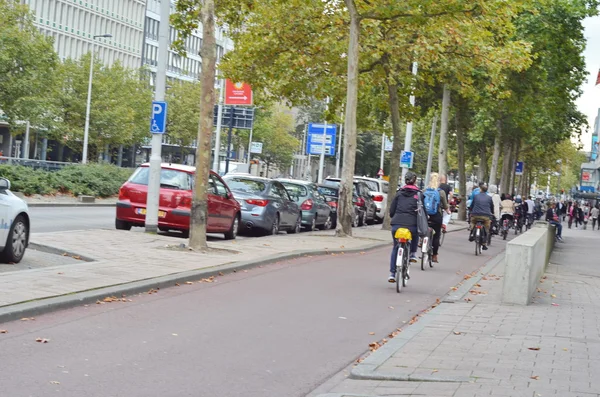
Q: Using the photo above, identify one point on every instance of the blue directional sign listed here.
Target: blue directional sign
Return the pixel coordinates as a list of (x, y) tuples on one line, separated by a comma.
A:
[(314, 146), (407, 159), (519, 168), (158, 121)]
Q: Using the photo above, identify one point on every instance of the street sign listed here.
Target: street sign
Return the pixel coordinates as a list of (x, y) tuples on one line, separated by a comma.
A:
[(158, 121), (237, 93), (389, 143), (407, 159), (256, 147), (243, 117), (380, 172), (519, 168), (315, 139)]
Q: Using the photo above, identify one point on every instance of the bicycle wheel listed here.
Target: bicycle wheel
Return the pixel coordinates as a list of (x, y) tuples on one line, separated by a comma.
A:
[(442, 238), (430, 256), (399, 265), (405, 271), (423, 256)]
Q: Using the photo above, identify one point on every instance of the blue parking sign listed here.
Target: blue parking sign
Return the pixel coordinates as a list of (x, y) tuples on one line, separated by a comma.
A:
[(158, 121), (406, 159)]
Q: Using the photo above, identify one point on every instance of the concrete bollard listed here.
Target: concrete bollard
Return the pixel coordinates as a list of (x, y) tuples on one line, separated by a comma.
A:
[(86, 199)]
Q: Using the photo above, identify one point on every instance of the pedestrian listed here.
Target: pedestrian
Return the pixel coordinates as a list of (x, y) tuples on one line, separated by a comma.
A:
[(579, 215), (595, 212), (553, 219), (445, 186), (572, 214), (436, 204), (403, 214), (586, 214)]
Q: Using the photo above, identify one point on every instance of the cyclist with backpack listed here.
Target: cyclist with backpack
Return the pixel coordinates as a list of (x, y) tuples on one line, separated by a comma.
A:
[(435, 203), (403, 214)]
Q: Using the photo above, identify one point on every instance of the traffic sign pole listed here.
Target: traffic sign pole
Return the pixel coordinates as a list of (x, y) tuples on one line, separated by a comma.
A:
[(409, 127), (382, 153), (152, 199)]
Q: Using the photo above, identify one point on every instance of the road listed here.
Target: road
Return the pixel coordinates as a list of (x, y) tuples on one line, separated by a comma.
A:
[(60, 219), (279, 330)]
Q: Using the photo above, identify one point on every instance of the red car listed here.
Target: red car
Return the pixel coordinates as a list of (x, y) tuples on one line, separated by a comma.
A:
[(176, 184)]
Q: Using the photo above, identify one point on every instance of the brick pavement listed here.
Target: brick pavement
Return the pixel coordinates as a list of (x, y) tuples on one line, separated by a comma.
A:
[(480, 347)]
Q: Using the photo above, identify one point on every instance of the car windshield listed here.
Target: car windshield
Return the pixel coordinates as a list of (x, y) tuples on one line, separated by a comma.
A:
[(331, 183), (373, 186), (245, 185), (295, 191), (169, 179), (328, 191)]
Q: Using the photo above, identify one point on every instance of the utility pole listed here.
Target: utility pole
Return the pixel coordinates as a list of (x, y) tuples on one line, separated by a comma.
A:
[(152, 200), (323, 144), (382, 156), (409, 125), (431, 145), (26, 143), (217, 150), (229, 134)]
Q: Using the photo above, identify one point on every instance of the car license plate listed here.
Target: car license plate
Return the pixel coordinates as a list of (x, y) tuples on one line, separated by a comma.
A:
[(142, 211)]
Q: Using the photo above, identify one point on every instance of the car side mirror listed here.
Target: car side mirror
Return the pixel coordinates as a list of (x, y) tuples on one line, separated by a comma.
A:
[(4, 184), (229, 195)]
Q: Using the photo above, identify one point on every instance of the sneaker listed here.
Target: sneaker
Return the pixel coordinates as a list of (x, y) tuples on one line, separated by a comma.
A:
[(434, 259), (413, 258), (392, 278), (484, 247)]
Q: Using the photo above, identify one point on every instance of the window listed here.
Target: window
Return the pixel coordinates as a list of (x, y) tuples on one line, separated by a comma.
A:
[(373, 186), (245, 185), (294, 190), (169, 179), (221, 190), (386, 187), (328, 191)]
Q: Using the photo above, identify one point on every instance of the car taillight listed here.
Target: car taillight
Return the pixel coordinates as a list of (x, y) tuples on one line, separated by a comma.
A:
[(333, 204), (186, 202), (307, 205), (378, 198), (123, 193), (258, 202), (360, 202)]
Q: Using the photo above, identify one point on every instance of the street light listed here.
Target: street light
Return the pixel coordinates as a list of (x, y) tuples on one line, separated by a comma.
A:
[(89, 100)]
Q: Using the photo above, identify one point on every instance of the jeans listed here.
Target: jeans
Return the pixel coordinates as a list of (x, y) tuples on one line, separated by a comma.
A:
[(594, 223), (435, 222), (414, 244), (558, 228)]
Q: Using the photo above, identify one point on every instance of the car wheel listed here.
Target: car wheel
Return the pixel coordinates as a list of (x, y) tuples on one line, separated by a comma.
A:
[(275, 226), (327, 224), (16, 241), (363, 219), (122, 225), (235, 227), (297, 226), (355, 220)]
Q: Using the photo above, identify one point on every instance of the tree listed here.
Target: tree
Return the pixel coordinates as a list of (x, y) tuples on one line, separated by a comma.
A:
[(184, 112), (27, 60), (187, 17)]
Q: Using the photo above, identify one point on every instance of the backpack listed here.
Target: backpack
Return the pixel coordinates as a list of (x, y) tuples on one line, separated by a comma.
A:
[(432, 201)]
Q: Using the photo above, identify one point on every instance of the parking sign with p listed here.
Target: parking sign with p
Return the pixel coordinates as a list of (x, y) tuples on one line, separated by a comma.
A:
[(158, 121)]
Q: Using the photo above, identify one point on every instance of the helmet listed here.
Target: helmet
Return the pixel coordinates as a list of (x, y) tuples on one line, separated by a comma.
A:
[(518, 199), (410, 178)]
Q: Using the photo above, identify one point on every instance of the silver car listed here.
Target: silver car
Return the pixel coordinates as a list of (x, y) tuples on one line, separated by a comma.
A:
[(266, 205)]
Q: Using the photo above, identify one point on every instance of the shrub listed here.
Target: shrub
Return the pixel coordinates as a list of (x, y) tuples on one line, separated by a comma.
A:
[(100, 180)]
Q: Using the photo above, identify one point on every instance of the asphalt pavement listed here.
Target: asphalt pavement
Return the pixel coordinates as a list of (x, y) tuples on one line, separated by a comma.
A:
[(60, 219), (278, 330)]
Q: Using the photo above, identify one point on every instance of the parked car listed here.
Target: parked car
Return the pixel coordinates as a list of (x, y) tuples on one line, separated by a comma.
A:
[(315, 211), (176, 185), (379, 191), (365, 208), (14, 230), (265, 204), (331, 195)]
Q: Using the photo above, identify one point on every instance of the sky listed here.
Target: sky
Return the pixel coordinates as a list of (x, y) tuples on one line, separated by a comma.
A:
[(589, 102)]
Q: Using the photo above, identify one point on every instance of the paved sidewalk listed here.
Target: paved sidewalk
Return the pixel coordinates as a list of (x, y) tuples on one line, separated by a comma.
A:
[(120, 259), (479, 347)]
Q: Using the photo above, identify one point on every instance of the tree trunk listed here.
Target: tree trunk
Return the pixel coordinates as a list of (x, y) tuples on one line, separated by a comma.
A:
[(120, 156), (396, 147), (496, 156), (199, 214), (346, 208), (514, 157), (443, 149), (460, 142), (482, 171), (506, 167)]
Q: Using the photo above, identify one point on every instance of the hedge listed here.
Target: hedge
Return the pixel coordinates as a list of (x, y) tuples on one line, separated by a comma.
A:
[(99, 180)]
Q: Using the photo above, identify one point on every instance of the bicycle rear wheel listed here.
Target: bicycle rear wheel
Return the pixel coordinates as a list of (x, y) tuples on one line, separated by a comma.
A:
[(442, 238), (399, 266), (405, 271)]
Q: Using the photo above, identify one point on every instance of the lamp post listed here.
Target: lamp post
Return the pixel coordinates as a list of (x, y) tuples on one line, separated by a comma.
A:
[(89, 100)]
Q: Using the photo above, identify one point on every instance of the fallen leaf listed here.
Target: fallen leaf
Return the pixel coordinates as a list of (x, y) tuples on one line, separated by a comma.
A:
[(457, 333), (42, 340), (341, 246), (28, 319), (434, 371), (545, 277), (362, 252), (177, 284), (478, 285), (110, 299), (174, 334), (553, 296), (76, 257), (221, 274), (535, 377), (565, 349), (555, 304), (533, 348), (60, 273), (65, 254), (55, 382), (189, 282), (3, 331), (454, 288), (370, 333), (467, 276), (267, 245), (468, 299)]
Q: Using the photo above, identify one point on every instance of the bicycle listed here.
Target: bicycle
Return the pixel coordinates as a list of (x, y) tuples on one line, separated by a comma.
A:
[(443, 235), (404, 238), (505, 227), (427, 249), (529, 221), (479, 236)]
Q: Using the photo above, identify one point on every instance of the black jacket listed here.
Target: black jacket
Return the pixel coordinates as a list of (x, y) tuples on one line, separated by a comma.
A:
[(403, 210)]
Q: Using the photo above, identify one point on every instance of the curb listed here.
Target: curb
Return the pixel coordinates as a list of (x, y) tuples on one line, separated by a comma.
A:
[(367, 369), (58, 251), (67, 301), (71, 204)]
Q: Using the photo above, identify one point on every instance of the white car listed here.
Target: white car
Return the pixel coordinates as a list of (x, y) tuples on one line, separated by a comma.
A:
[(14, 225), (379, 190)]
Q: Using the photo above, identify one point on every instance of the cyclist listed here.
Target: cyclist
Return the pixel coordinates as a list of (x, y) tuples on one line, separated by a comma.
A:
[(507, 209), (530, 209), (436, 204), (403, 214), (482, 210), (520, 211), (493, 193)]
